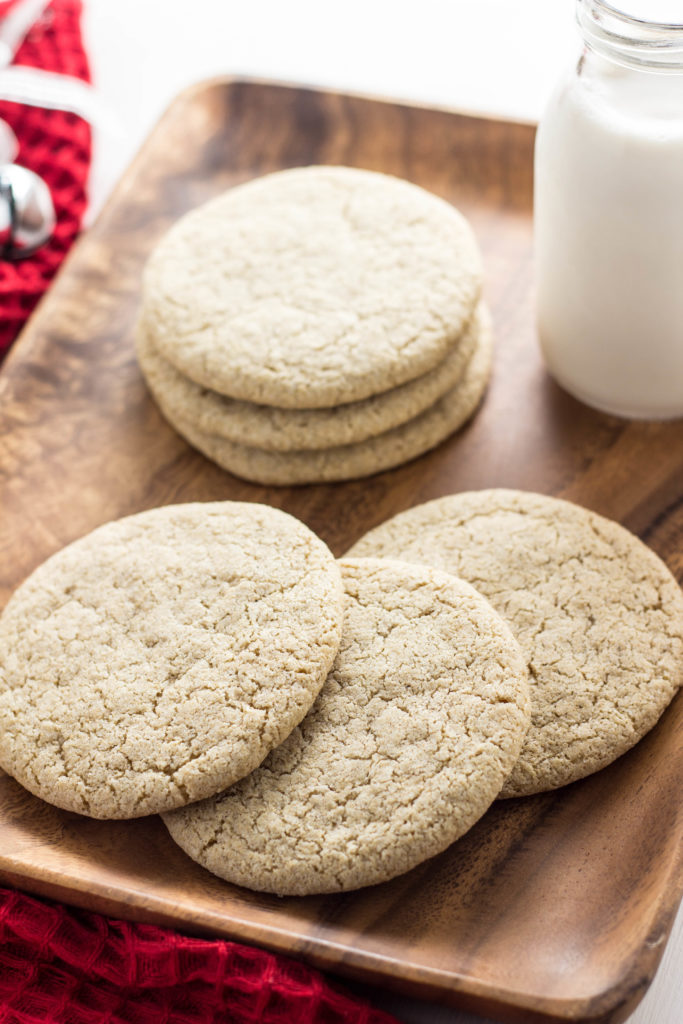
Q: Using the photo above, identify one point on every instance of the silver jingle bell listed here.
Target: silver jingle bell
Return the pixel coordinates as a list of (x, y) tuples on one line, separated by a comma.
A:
[(27, 213)]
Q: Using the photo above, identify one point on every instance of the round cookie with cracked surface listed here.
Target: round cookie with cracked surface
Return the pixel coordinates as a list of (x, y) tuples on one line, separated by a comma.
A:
[(418, 724), (273, 429), (598, 616), (312, 287), (347, 462), (161, 657)]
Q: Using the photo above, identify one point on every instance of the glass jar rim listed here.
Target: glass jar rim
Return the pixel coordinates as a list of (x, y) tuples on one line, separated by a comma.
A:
[(630, 40)]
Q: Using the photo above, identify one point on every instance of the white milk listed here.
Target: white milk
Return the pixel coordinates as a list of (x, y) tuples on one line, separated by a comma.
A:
[(609, 238)]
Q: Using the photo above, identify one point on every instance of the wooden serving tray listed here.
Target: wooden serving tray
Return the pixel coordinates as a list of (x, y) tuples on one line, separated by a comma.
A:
[(552, 908)]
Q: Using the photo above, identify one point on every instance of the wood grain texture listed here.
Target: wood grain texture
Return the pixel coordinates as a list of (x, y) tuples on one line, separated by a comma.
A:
[(555, 907)]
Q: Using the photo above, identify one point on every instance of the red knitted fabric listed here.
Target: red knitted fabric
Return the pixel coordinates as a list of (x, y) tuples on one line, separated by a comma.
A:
[(64, 966), (55, 144)]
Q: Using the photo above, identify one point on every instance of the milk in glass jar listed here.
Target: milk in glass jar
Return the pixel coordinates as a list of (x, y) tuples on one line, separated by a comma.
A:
[(608, 213)]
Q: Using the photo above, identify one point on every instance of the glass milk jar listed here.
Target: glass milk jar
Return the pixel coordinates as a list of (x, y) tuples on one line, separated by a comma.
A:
[(608, 213)]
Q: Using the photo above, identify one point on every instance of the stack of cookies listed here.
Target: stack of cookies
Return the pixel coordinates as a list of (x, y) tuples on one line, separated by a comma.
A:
[(306, 725), (316, 324)]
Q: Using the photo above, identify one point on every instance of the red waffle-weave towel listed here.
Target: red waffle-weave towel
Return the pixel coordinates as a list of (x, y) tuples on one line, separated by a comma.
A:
[(57, 146), (64, 966)]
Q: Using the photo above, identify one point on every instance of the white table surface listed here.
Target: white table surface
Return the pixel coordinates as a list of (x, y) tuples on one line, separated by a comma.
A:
[(493, 56)]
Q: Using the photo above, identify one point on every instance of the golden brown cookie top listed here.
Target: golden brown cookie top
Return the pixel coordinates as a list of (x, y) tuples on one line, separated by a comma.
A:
[(418, 724), (312, 287), (162, 656)]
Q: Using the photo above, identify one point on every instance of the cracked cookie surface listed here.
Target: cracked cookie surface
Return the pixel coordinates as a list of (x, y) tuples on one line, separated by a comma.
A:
[(274, 429), (418, 724), (347, 462), (162, 656), (312, 287), (597, 614)]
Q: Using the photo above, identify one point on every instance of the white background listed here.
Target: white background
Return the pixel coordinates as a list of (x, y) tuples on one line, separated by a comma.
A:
[(493, 56)]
